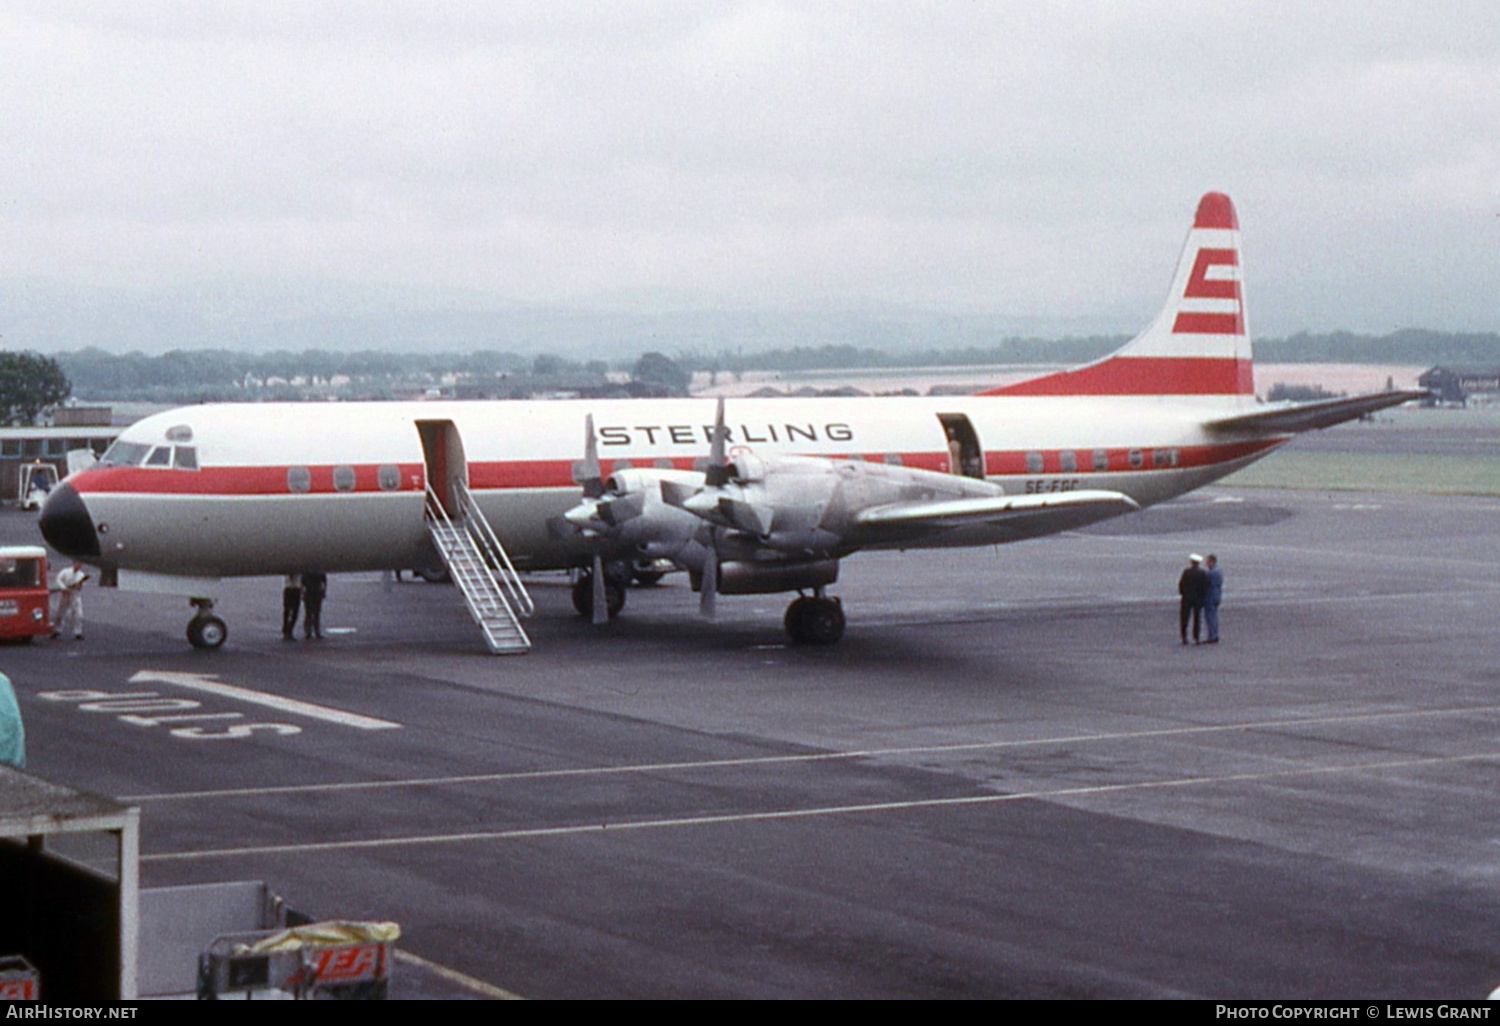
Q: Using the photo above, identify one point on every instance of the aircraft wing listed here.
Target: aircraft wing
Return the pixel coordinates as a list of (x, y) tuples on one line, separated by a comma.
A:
[(1292, 418), (984, 519)]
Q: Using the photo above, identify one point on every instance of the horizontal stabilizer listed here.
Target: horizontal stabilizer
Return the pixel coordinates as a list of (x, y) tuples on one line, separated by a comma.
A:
[(996, 518), (1295, 417)]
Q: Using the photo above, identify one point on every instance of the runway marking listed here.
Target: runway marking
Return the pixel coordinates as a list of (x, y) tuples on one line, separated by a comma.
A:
[(789, 814), (478, 986), (809, 757), (207, 683)]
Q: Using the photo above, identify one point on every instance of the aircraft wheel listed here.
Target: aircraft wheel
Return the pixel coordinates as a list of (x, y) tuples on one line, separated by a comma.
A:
[(433, 575), (793, 619), (646, 575), (815, 621), (583, 594), (206, 632)]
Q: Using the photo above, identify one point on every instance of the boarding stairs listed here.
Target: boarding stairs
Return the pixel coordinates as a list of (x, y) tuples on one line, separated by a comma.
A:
[(481, 570)]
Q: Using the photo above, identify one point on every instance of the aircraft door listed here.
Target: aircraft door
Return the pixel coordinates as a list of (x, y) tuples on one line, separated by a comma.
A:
[(443, 451), (964, 453)]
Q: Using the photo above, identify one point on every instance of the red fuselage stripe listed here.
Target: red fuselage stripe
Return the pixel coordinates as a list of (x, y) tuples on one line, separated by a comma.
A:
[(231, 482)]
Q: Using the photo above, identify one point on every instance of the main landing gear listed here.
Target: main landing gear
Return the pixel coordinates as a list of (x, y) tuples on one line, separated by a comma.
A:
[(815, 619), (614, 591), (206, 630)]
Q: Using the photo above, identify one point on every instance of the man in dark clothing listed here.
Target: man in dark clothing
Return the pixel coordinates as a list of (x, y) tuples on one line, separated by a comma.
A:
[(291, 606), (314, 588), (1192, 586)]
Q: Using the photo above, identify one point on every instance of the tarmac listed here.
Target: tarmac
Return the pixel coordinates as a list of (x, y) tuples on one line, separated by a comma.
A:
[(1008, 780)]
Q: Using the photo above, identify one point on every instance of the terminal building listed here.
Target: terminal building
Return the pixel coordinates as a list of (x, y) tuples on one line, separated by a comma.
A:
[(1461, 386), (72, 428)]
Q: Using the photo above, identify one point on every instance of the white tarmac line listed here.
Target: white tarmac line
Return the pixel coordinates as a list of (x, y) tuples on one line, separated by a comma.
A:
[(206, 683), (772, 760), (791, 814), (478, 986)]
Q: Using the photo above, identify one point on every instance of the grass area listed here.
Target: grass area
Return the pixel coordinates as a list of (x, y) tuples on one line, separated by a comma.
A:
[(1458, 474)]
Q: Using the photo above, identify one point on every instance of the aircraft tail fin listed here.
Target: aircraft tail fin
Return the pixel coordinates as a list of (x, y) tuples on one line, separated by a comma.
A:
[(1198, 345)]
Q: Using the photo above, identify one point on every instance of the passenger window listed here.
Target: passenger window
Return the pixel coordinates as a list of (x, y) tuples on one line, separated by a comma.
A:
[(298, 479), (185, 457), (1137, 459), (389, 478), (1101, 459), (343, 479), (161, 456), (1034, 463), (893, 458), (1069, 461)]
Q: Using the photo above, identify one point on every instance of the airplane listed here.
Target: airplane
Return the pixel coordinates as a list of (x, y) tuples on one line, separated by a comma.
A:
[(749, 496)]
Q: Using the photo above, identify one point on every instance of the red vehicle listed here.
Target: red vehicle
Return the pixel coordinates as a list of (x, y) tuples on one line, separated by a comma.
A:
[(25, 604)]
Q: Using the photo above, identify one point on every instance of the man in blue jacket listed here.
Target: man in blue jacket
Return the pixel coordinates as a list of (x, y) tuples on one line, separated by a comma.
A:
[(1211, 599)]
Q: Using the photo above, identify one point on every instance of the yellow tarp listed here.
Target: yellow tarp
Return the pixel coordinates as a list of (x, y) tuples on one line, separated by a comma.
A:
[(322, 935)]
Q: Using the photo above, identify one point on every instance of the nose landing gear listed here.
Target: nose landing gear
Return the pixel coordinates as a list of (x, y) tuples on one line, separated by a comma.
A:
[(206, 630)]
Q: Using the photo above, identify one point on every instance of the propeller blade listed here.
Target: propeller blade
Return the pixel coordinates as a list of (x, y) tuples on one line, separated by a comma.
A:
[(586, 472), (718, 469), (615, 511), (708, 590), (601, 594)]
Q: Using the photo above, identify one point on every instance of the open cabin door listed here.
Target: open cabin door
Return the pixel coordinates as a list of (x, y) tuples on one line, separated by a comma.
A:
[(468, 545), (964, 453), (443, 451)]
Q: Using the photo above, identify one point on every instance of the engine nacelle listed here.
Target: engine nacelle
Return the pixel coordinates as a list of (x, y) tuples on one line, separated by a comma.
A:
[(653, 524), (744, 577)]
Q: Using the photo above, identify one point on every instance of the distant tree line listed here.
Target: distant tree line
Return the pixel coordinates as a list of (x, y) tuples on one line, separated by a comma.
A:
[(218, 375), (201, 375)]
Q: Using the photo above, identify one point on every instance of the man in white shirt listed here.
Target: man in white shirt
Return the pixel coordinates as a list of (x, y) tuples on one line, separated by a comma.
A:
[(70, 600)]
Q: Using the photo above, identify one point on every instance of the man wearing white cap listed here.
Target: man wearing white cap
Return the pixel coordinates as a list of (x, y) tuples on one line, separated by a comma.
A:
[(1192, 587)]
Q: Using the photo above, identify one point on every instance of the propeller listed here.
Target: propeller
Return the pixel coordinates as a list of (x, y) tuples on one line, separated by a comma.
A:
[(715, 476), (593, 516)]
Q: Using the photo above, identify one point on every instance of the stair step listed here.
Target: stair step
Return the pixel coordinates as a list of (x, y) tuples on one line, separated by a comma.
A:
[(474, 574)]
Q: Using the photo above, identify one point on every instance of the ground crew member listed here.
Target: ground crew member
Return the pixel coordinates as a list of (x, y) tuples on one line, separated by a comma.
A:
[(1192, 586), (70, 600)]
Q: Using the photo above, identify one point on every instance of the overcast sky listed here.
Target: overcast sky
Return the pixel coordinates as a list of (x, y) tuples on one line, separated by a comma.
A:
[(1037, 160)]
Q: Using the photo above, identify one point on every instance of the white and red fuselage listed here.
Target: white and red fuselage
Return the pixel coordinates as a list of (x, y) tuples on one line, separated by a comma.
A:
[(227, 490), (301, 487)]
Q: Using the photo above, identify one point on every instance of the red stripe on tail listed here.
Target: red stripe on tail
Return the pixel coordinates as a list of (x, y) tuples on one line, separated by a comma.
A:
[(1143, 375)]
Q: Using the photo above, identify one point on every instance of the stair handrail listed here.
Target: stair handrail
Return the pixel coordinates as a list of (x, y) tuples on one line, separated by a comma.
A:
[(490, 544), (439, 514)]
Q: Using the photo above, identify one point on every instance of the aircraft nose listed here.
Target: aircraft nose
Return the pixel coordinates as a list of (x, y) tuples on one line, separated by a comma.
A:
[(66, 524)]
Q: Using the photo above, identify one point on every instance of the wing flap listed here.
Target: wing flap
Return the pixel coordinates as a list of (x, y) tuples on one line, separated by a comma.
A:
[(984, 520), (1298, 417)]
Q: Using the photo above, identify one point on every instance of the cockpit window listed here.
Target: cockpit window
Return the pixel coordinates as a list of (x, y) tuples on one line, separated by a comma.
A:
[(138, 454), (125, 454)]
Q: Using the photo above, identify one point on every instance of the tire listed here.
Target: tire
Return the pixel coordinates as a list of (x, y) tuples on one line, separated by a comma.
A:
[(647, 578), (207, 632), (433, 575), (583, 595), (822, 622), (793, 619)]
